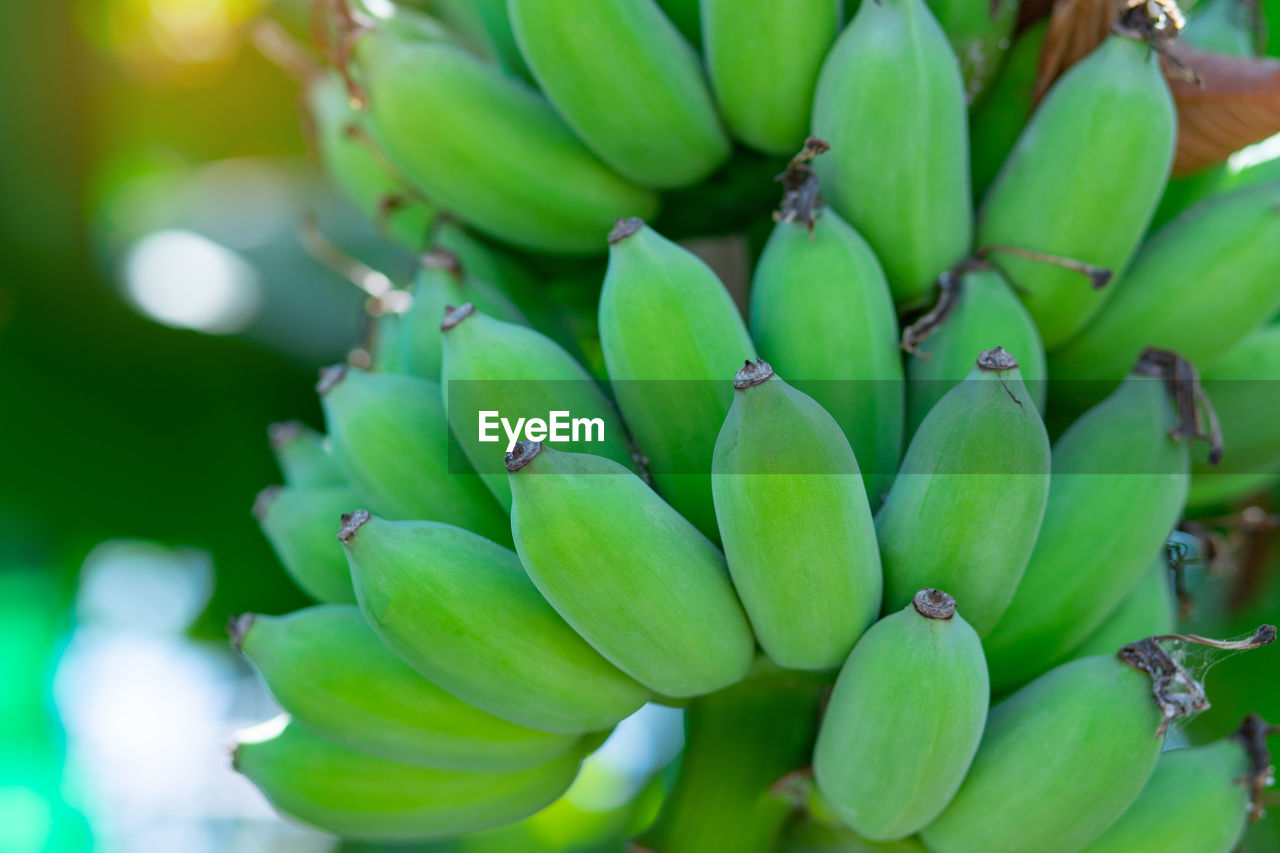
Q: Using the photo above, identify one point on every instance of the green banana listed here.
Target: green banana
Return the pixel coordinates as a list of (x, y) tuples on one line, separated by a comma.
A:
[(1089, 195), (1148, 609), (890, 101), (763, 57), (497, 25), (300, 522), (449, 122), (494, 369), (976, 310), (328, 669), (670, 333), (1198, 800), (462, 611), (822, 314), (392, 438), (629, 85), (966, 506), (1182, 193), (1245, 388), (338, 790), (979, 33), (627, 571), (1224, 27), (303, 456), (441, 281), (997, 119), (1124, 460), (1198, 286), (904, 720), (797, 529), (1060, 761)]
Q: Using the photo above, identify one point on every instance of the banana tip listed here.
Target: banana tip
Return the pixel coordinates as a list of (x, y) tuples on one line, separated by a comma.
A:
[(440, 259), (351, 523), (997, 359), (524, 453), (283, 433), (624, 228), (752, 373), (934, 604), (262, 503), (330, 377), (237, 627), (455, 314)]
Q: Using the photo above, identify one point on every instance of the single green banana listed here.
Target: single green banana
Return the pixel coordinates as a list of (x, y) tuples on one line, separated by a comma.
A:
[(441, 281), (1124, 460), (329, 671), (1198, 286), (904, 720), (1245, 388), (670, 334), (392, 438), (497, 25), (338, 790), (1226, 27), (890, 101), (462, 611), (966, 506), (300, 523), (303, 456), (626, 81), (822, 314), (627, 571), (1149, 609), (1059, 762), (797, 529), (488, 148), (382, 341), (1182, 193), (763, 57), (1084, 195), (980, 34), (976, 311), (998, 117), (495, 370)]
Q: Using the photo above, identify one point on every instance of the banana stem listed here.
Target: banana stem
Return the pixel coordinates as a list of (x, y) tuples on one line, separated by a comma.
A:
[(738, 744)]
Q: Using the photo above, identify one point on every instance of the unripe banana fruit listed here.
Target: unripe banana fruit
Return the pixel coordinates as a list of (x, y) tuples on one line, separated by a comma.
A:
[(763, 57), (1148, 609), (670, 334), (462, 611), (329, 671), (904, 720), (627, 571), (631, 87), (966, 506), (304, 456), (797, 529), (299, 522), (891, 103), (980, 34), (354, 795), (998, 117), (1088, 196)]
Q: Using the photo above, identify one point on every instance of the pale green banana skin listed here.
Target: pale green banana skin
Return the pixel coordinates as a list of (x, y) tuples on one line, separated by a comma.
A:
[(489, 149), (1082, 182), (497, 24), (997, 119), (384, 343), (1193, 803), (987, 314), (303, 456), (301, 523), (520, 373), (903, 723), (964, 510), (763, 57), (628, 83), (1147, 610), (890, 101), (329, 671), (823, 316), (629, 573), (1059, 762), (979, 38), (1220, 26), (461, 611), (338, 790), (390, 434), (1198, 286), (798, 533), (671, 337), (1244, 386), (1117, 462)]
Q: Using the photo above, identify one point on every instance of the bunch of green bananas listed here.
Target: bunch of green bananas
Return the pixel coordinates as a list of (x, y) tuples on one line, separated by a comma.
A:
[(907, 585)]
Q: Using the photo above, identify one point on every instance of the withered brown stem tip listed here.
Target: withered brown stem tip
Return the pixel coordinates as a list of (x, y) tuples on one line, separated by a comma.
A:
[(624, 228), (996, 359), (352, 522), (237, 627), (262, 503), (282, 433), (934, 604), (524, 453), (439, 259), (330, 377), (453, 315), (752, 373)]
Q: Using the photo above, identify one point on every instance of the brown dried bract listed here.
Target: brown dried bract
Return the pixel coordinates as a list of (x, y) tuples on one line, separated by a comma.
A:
[(1236, 104), (802, 197), (1196, 416), (1252, 736)]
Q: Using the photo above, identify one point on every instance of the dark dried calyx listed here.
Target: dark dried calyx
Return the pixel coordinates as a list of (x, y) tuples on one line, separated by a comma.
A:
[(752, 373), (1197, 418), (1252, 737), (801, 195), (525, 452), (455, 314), (624, 228), (996, 360), (351, 523), (934, 604)]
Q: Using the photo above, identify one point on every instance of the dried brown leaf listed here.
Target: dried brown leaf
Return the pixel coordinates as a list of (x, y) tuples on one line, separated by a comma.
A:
[(1237, 104), (1076, 27)]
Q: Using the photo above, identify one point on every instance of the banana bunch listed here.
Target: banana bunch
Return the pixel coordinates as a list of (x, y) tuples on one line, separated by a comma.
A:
[(883, 501)]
